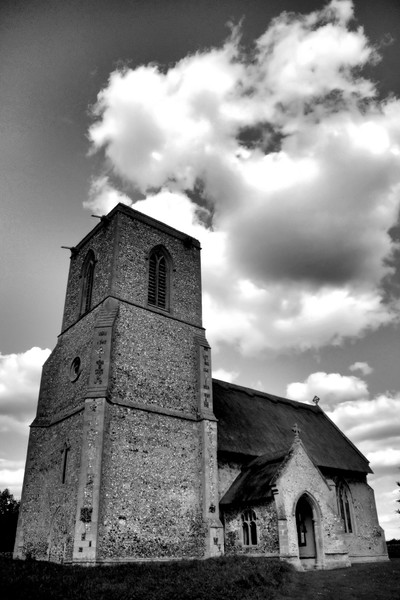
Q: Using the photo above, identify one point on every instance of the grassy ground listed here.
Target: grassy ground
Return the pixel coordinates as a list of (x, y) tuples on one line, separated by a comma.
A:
[(236, 579), (233, 578), (368, 581)]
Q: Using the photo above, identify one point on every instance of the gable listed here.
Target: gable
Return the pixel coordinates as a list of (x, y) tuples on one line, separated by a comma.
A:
[(257, 479), (253, 423)]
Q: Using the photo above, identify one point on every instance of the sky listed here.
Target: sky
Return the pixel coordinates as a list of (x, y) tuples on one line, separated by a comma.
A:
[(270, 131)]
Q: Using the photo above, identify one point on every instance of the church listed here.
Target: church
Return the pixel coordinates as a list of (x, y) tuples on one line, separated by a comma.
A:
[(137, 454)]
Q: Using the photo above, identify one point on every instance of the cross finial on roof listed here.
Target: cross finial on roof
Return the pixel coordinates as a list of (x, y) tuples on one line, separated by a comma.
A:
[(315, 400), (296, 430)]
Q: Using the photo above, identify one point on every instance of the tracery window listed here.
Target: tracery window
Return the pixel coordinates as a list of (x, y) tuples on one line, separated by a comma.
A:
[(249, 528), (87, 282), (159, 272), (344, 503)]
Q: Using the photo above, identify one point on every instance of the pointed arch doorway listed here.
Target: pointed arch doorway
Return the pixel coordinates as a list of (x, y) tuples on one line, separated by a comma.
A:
[(306, 531)]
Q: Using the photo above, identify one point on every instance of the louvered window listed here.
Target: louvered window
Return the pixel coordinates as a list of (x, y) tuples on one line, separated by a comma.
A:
[(158, 280), (87, 282)]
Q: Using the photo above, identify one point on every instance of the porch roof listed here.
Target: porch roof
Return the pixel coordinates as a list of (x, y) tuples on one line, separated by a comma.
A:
[(253, 484)]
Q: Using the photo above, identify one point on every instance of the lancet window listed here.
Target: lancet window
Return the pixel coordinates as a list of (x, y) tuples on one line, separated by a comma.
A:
[(249, 528), (64, 466), (344, 505), (87, 282)]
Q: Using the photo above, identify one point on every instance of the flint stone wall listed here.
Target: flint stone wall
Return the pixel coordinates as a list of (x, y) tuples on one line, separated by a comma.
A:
[(48, 507), (228, 470), (267, 531), (57, 392), (151, 477), (155, 361), (368, 538)]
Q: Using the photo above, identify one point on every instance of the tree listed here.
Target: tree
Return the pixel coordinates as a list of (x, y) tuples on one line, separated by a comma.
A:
[(9, 509), (398, 510)]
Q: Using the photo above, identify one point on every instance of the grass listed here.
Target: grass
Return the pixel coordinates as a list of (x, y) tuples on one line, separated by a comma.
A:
[(241, 578), (234, 578), (368, 581)]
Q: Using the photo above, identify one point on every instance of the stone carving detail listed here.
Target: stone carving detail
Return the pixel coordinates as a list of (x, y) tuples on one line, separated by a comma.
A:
[(205, 378), (86, 514), (101, 353), (99, 371)]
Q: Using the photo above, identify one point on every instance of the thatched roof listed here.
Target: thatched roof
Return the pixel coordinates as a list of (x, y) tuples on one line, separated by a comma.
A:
[(255, 424), (253, 484)]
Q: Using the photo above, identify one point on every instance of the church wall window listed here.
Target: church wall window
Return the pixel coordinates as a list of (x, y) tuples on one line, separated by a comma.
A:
[(87, 282), (75, 369), (249, 528), (64, 464), (159, 279), (344, 506)]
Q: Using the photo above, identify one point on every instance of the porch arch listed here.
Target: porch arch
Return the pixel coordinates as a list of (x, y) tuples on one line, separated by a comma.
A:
[(307, 517)]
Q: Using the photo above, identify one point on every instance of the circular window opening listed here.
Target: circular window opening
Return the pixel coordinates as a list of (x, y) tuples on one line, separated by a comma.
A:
[(75, 369)]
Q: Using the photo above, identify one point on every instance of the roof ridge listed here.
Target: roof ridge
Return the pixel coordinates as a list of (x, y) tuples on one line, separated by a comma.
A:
[(266, 395), (347, 439), (254, 423), (278, 458)]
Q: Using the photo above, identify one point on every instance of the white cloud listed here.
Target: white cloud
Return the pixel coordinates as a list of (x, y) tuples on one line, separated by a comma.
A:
[(363, 367), (375, 420), (19, 382), (224, 375), (19, 387), (103, 196), (11, 476), (174, 209), (289, 155), (332, 389), (13, 424), (387, 459), (386, 494)]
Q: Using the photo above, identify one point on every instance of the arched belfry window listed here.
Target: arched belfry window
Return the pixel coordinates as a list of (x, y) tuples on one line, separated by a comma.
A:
[(87, 282), (344, 506), (159, 278), (249, 528)]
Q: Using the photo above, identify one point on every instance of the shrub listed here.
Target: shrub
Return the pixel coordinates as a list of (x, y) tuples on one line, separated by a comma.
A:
[(393, 547), (9, 509)]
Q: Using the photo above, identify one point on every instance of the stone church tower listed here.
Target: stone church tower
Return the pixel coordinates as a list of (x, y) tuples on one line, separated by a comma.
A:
[(122, 453)]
